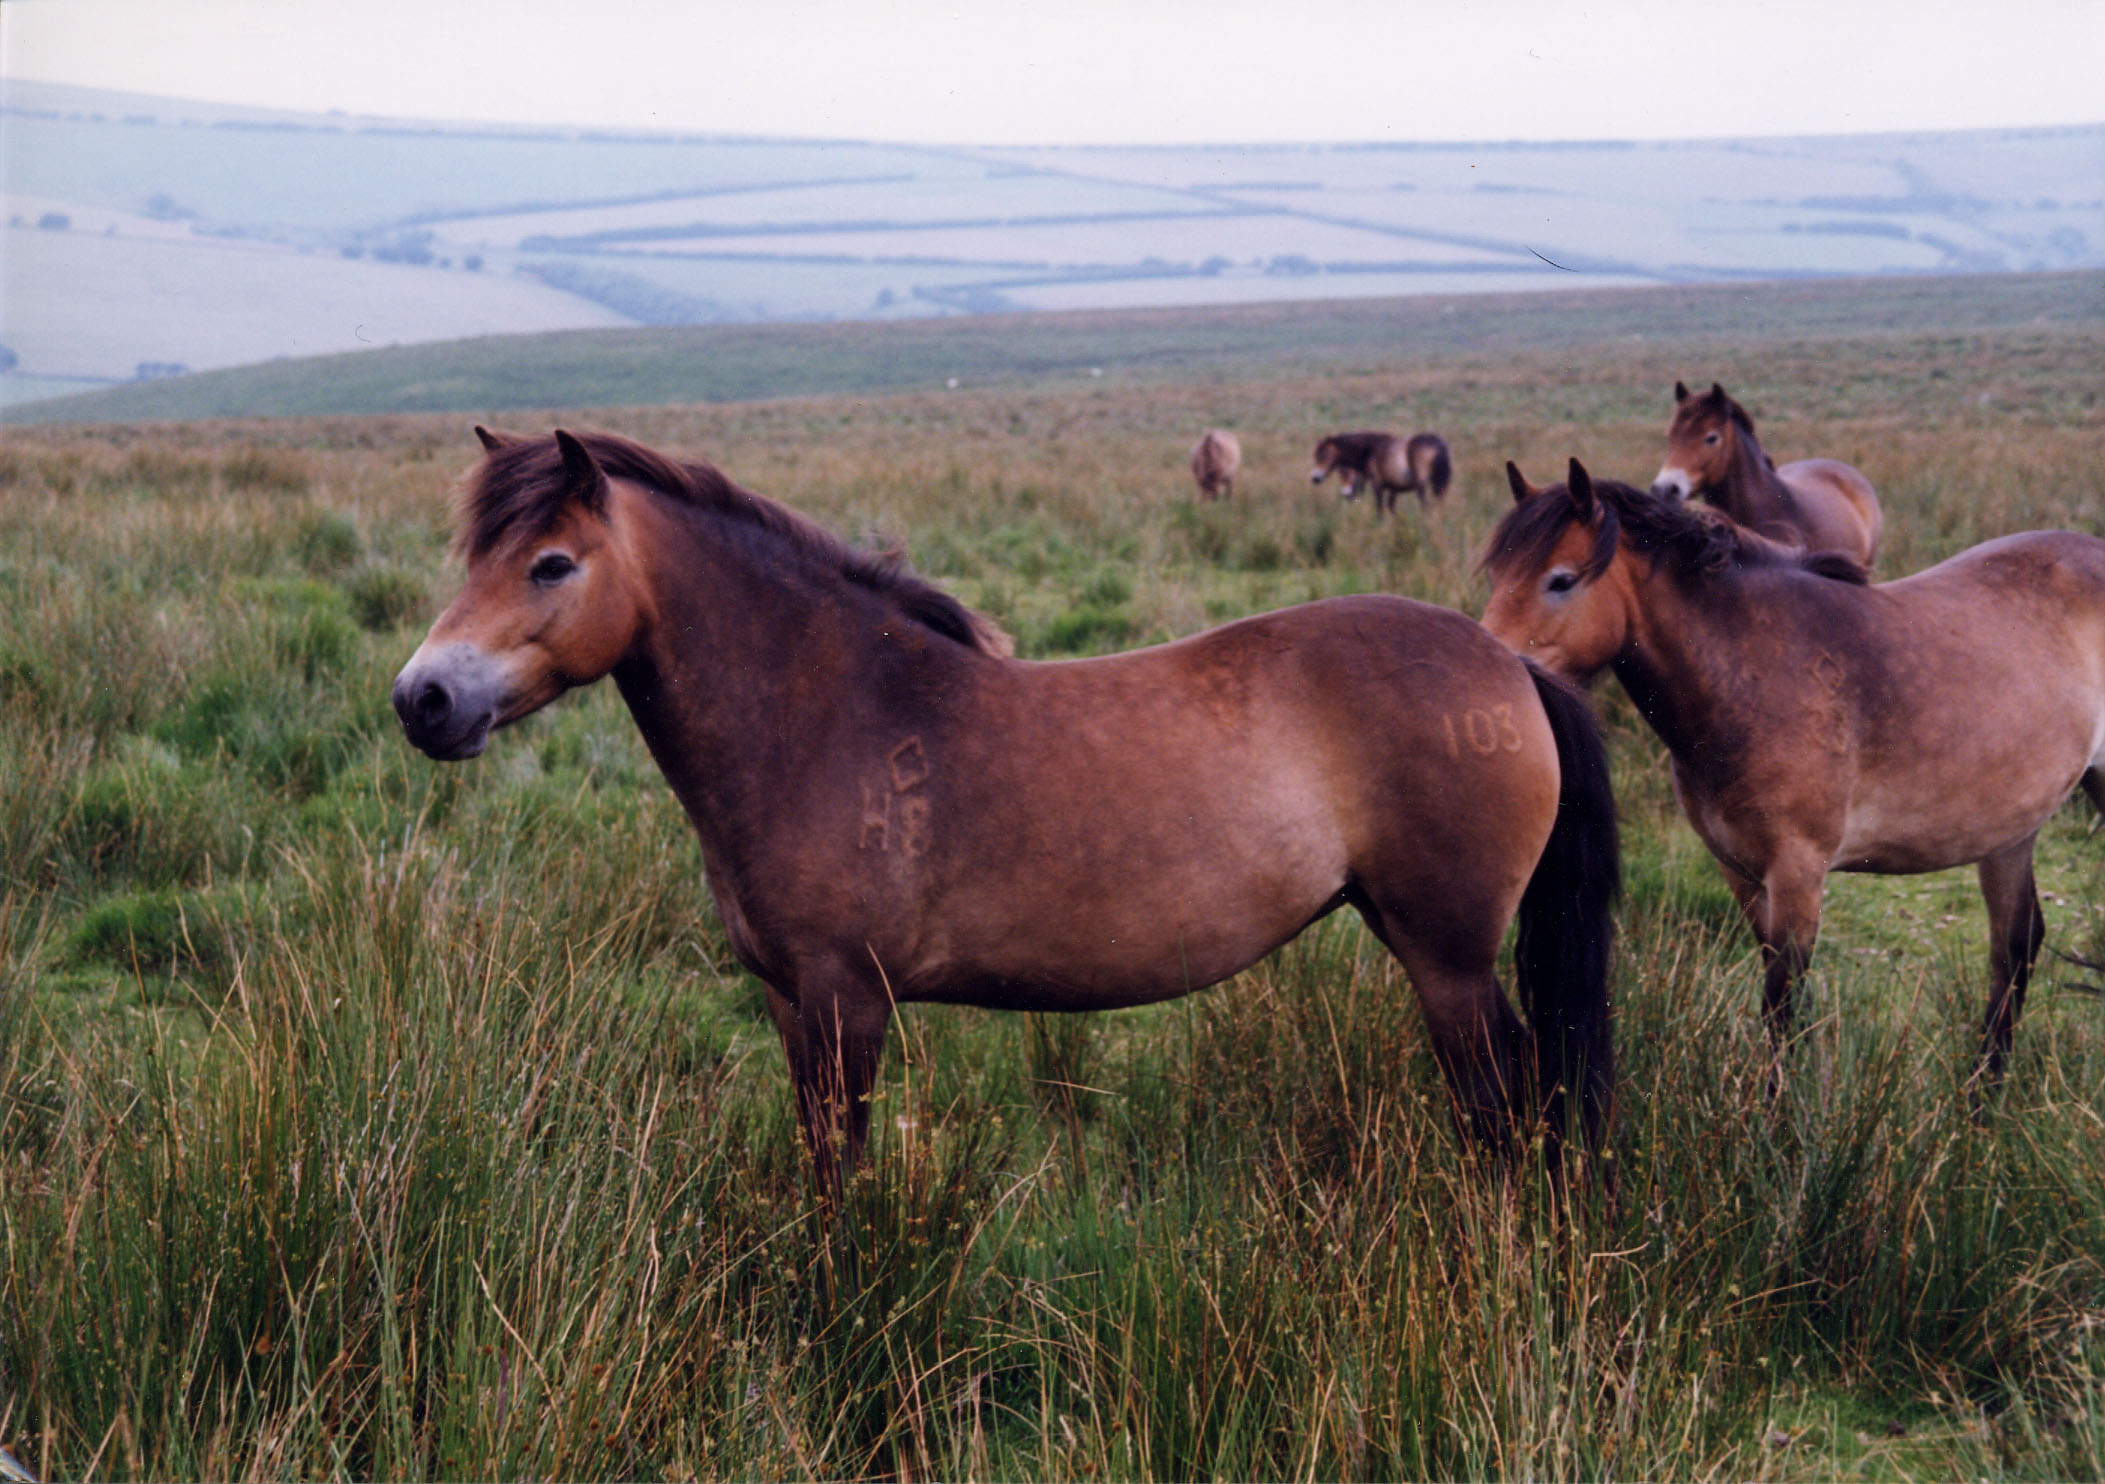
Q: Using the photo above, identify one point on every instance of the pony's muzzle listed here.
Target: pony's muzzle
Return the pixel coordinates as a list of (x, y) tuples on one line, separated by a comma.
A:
[(1670, 484), (447, 701)]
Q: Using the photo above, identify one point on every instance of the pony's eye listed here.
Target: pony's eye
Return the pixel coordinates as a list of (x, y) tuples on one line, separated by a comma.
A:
[(1562, 581), (1710, 440), (551, 568)]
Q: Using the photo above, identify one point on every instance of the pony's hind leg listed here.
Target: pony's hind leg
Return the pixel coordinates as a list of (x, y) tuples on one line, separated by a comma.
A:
[(2016, 929), (1476, 1037), (1477, 1040)]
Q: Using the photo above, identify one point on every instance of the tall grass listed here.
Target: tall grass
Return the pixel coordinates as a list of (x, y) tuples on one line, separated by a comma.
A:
[(360, 1117)]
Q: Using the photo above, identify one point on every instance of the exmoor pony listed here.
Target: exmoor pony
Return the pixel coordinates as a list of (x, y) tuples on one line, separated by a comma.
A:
[(1388, 465), (1215, 461), (1820, 724), (1819, 504), (892, 809)]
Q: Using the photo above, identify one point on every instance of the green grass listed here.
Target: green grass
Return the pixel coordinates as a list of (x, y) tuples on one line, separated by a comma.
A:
[(365, 1117)]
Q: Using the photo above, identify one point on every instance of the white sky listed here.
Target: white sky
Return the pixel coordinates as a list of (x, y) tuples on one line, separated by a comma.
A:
[(1103, 71)]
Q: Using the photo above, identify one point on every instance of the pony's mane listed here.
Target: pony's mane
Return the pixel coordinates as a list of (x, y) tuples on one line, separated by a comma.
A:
[(521, 488), (1692, 543)]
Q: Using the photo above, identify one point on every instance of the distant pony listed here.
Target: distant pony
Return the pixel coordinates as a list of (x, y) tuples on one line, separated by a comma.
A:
[(1813, 504), (1386, 464), (1215, 462)]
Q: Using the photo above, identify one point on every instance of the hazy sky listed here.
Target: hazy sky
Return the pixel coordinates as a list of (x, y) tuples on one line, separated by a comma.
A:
[(1087, 71)]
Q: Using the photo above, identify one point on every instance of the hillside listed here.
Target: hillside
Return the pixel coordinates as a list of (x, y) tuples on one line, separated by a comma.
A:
[(734, 363), (149, 237)]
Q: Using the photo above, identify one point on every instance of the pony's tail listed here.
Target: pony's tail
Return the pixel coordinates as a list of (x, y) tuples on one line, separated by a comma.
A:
[(1442, 471), (1560, 955)]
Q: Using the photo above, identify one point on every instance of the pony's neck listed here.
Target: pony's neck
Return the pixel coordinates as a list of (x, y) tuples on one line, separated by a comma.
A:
[(1752, 491), (749, 662), (1672, 661)]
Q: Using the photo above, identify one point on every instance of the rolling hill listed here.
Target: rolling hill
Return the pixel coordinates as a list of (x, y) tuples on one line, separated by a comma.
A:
[(1226, 344), (149, 237)]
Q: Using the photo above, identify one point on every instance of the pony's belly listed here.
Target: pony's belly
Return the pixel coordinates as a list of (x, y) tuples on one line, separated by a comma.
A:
[(1892, 839), (1114, 967)]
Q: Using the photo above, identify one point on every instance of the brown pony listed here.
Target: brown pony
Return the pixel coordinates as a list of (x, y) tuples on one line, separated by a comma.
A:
[(1386, 464), (891, 809), (1215, 462), (1816, 723), (1817, 504)]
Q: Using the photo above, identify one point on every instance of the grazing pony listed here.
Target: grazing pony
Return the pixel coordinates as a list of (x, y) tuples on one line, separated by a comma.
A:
[(1817, 723), (892, 809), (1215, 461), (1386, 464), (1817, 504)]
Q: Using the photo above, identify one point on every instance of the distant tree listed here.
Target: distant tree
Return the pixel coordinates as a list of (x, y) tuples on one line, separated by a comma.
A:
[(410, 247), (8, 359), (54, 221), (472, 262)]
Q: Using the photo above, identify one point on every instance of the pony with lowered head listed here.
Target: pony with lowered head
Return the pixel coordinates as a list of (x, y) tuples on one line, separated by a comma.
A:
[(892, 809), (1388, 465), (1215, 461)]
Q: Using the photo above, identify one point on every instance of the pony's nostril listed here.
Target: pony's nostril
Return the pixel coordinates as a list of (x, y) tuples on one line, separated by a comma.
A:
[(431, 702)]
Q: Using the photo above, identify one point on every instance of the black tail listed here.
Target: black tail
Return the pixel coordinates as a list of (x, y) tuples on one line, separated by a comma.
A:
[(1560, 956), (1443, 469), (2094, 785)]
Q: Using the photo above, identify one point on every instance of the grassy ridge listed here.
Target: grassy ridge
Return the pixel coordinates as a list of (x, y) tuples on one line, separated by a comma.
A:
[(361, 1116), (615, 368)]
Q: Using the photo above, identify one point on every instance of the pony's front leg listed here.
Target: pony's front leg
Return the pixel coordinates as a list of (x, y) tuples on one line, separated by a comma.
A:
[(1784, 911), (832, 1030), (2016, 929)]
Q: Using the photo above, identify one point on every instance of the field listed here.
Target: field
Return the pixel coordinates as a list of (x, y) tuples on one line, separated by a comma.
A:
[(159, 231), (362, 1116)]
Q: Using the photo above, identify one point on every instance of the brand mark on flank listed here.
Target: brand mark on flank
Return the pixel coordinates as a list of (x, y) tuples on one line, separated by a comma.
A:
[(906, 769), (1484, 730)]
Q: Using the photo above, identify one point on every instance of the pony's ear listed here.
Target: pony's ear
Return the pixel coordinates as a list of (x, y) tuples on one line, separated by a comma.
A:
[(1680, 392), (583, 480), (1580, 483), (1717, 394), (491, 442), (1522, 490)]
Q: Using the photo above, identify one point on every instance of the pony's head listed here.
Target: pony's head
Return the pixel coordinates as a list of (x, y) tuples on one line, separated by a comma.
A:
[(554, 596), (1702, 442), (1557, 590), (1573, 564), (1325, 459)]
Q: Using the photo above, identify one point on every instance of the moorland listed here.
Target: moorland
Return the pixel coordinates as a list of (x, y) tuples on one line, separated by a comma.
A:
[(361, 1116)]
